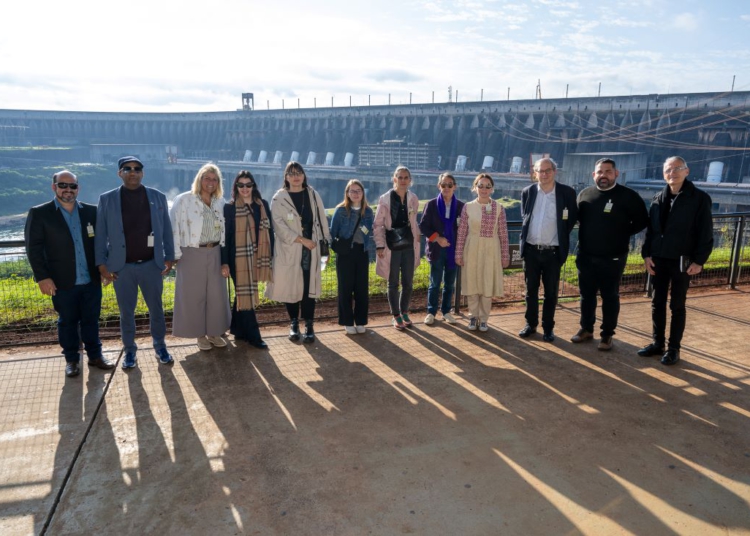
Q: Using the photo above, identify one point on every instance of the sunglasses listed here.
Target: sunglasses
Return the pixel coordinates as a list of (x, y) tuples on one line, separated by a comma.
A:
[(485, 186), (446, 185), (66, 185), (129, 169), (245, 185)]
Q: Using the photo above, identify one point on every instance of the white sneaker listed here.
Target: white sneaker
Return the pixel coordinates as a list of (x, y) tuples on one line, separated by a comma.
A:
[(216, 341), (483, 326), (361, 329), (350, 330), (448, 317), (473, 324), (429, 319), (203, 343)]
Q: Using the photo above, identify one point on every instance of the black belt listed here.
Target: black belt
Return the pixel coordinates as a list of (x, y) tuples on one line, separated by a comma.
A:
[(542, 248), (209, 245)]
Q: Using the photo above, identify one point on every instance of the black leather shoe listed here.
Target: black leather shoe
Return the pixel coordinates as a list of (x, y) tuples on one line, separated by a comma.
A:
[(101, 363), (527, 331), (294, 330), (72, 370), (651, 349), (672, 357), (309, 332), (261, 345), (549, 336)]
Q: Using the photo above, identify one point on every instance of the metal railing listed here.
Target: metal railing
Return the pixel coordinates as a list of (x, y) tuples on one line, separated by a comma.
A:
[(26, 316)]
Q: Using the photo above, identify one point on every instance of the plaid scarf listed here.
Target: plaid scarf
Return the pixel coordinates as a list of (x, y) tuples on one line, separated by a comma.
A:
[(252, 258)]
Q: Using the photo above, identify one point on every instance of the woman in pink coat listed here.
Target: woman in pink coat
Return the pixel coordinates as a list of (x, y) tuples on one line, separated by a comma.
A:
[(397, 241)]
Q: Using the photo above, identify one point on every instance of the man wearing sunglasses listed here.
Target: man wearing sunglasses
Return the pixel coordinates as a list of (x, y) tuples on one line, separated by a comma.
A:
[(59, 239), (135, 249)]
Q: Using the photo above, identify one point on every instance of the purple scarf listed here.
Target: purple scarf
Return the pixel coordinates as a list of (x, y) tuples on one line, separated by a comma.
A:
[(450, 261)]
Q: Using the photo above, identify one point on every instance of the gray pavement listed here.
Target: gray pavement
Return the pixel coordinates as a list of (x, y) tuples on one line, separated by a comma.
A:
[(437, 430)]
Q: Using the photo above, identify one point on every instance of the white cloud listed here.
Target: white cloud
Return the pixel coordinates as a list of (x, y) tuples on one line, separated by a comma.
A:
[(686, 21)]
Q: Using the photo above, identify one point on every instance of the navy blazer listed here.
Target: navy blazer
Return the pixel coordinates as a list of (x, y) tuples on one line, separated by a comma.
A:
[(432, 222), (50, 248), (565, 197), (110, 233)]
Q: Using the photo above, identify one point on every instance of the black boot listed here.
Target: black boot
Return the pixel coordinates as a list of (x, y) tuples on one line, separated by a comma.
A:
[(294, 330), (309, 333)]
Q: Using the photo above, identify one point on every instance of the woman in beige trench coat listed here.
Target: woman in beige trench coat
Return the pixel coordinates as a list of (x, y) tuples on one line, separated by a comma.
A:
[(299, 223)]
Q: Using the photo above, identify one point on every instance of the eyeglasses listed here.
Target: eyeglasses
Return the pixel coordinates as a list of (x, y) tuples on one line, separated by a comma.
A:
[(66, 185), (128, 169), (485, 186), (295, 174), (245, 185), (674, 169), (447, 185), (357, 192), (544, 171)]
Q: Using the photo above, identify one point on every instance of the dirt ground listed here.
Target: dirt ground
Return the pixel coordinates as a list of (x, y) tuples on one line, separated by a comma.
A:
[(436, 430)]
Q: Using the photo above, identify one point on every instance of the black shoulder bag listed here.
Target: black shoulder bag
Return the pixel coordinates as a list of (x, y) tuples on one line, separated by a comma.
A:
[(343, 246)]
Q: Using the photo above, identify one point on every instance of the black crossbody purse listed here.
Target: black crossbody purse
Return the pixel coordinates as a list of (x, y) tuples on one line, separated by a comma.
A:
[(343, 246), (323, 243)]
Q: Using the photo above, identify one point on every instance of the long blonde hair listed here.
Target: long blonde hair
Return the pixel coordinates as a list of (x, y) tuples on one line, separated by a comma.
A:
[(208, 168)]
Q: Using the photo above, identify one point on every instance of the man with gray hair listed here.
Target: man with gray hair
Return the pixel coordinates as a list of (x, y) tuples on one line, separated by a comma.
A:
[(679, 240), (549, 212)]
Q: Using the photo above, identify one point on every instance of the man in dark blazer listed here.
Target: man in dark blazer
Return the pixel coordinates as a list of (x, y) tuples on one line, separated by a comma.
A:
[(549, 212), (679, 240), (59, 239), (135, 249)]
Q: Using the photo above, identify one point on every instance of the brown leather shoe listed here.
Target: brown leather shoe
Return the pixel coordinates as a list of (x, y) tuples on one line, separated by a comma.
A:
[(582, 335), (605, 345)]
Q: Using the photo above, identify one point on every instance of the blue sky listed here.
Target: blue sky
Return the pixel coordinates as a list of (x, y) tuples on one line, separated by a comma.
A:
[(175, 56)]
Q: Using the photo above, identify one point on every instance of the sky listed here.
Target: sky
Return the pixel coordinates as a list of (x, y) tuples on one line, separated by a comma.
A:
[(187, 56)]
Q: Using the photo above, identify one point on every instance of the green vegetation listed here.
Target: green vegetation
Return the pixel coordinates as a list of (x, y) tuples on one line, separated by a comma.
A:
[(22, 189)]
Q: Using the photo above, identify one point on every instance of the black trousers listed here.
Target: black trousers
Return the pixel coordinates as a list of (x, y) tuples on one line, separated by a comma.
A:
[(541, 265), (352, 273), (307, 303), (668, 271), (600, 274)]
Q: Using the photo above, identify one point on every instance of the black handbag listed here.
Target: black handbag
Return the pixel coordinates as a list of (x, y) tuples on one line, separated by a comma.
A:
[(399, 238), (323, 243), (343, 246)]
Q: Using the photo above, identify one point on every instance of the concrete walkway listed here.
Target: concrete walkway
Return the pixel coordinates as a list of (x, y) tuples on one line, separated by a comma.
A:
[(437, 430)]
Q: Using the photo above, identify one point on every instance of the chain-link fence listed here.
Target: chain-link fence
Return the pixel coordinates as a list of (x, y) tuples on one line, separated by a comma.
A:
[(27, 316)]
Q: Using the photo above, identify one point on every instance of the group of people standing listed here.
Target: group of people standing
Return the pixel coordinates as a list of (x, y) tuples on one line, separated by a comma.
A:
[(133, 239)]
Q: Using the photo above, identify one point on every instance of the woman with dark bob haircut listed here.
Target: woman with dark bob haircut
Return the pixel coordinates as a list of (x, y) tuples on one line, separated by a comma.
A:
[(299, 222), (248, 252)]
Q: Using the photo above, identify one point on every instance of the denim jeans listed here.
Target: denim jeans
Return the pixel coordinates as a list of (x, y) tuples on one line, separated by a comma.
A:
[(440, 274), (402, 263), (79, 307)]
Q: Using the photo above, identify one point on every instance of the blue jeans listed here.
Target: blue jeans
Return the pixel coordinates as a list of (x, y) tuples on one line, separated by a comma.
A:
[(440, 274), (79, 307), (146, 276)]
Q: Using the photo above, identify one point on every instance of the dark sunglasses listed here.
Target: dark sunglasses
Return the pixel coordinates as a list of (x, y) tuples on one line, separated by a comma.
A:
[(66, 185), (245, 185), (129, 169), (446, 185)]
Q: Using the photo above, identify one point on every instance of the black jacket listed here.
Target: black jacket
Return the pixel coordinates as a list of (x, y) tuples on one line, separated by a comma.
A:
[(50, 248), (565, 197), (689, 229), (229, 251)]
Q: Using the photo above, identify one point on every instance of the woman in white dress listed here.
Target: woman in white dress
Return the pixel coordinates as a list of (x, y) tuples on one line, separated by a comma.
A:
[(482, 251)]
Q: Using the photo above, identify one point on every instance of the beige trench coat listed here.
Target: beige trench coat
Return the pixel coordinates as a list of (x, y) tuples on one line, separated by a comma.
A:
[(287, 282)]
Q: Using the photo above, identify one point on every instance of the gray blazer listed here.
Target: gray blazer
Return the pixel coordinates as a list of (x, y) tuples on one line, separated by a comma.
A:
[(109, 242)]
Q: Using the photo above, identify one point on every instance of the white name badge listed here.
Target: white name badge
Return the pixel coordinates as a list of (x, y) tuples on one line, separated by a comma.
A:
[(364, 230), (608, 206), (90, 230), (565, 213), (290, 217), (151, 240)]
